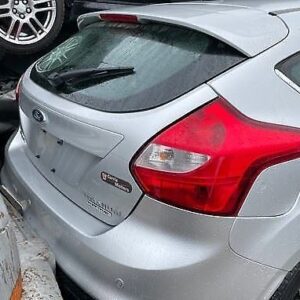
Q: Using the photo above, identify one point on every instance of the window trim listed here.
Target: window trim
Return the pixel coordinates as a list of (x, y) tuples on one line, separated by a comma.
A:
[(291, 83), (284, 77)]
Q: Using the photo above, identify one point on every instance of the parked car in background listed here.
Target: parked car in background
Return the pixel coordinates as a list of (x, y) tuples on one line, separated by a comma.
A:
[(28, 26), (158, 152)]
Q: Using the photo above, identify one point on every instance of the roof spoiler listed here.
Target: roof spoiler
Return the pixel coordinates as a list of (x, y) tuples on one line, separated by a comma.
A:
[(87, 19)]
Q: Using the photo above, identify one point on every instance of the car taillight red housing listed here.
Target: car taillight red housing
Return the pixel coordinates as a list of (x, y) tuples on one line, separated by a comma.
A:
[(207, 161)]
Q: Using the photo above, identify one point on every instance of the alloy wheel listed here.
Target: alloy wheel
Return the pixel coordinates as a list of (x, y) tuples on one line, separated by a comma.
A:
[(25, 22)]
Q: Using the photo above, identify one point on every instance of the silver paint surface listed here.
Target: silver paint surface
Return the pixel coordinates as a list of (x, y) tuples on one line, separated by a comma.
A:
[(152, 250)]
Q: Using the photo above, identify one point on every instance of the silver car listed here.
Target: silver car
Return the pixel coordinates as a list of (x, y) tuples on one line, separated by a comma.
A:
[(159, 151)]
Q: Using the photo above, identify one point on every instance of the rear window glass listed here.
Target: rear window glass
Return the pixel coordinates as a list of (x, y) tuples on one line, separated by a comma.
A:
[(168, 61), (290, 67)]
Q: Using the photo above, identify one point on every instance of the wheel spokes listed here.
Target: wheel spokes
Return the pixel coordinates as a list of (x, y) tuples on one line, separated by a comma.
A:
[(5, 15), (42, 9), (19, 30), (33, 29), (26, 22), (5, 6), (11, 27), (36, 2)]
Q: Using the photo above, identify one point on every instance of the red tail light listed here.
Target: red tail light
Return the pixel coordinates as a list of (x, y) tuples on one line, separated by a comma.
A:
[(120, 18), (207, 161), (17, 92)]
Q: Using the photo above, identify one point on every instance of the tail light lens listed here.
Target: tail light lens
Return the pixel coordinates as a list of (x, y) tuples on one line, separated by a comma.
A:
[(207, 161), (120, 18)]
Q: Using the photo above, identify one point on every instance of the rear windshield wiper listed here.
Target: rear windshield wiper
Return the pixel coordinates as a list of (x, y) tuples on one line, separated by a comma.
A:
[(82, 75)]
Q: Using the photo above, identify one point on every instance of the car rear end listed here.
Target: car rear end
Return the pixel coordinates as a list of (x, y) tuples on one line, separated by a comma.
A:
[(136, 181)]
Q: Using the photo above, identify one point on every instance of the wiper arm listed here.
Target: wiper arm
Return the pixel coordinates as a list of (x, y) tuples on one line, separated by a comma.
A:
[(77, 76)]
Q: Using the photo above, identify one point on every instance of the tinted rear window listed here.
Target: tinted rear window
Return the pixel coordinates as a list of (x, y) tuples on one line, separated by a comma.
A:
[(168, 62)]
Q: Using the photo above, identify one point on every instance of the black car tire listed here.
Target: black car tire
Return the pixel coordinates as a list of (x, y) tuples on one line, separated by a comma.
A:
[(2, 52), (290, 287), (16, 49)]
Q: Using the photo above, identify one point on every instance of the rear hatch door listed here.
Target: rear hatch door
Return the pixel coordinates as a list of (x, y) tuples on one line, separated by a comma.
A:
[(82, 135)]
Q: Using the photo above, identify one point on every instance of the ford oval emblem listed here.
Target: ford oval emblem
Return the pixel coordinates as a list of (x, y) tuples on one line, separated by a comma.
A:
[(38, 115)]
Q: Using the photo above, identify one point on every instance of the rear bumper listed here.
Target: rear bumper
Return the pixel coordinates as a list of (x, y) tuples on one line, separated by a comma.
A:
[(158, 252)]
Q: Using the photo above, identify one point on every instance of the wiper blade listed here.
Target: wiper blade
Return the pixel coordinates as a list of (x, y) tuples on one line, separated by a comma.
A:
[(77, 76)]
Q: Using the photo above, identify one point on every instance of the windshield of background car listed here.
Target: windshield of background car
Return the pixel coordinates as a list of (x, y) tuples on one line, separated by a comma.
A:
[(168, 62)]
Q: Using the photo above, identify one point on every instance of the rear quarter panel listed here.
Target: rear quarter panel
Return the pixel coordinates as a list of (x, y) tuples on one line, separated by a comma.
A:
[(267, 228)]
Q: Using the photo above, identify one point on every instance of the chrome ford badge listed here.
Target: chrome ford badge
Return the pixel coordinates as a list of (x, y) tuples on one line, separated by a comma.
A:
[(38, 115)]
